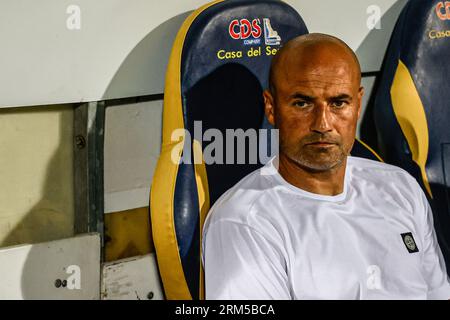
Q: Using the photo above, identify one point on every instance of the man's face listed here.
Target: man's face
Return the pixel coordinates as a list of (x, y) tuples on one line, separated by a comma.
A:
[(315, 106)]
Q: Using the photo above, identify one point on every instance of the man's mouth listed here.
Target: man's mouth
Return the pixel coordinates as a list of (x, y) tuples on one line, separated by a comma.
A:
[(321, 144)]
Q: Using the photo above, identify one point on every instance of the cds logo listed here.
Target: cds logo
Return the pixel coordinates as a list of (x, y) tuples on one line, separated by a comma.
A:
[(251, 31), (242, 29), (443, 10)]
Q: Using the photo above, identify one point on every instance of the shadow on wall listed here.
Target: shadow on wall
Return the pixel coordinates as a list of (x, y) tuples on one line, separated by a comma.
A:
[(146, 63), (365, 52), (52, 217), (41, 164), (150, 56)]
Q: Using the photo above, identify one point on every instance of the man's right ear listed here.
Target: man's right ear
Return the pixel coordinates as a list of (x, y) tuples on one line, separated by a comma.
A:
[(269, 107)]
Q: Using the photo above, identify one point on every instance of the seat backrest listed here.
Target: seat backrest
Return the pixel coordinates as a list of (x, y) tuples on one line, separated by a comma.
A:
[(412, 106), (216, 74), (217, 71)]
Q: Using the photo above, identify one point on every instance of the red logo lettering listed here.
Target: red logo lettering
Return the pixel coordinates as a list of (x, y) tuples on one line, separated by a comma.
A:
[(246, 29), (231, 29), (443, 10), (243, 29), (256, 32)]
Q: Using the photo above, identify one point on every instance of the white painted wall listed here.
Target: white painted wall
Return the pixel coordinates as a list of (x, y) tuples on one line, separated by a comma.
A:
[(348, 20), (132, 146), (43, 62), (31, 271)]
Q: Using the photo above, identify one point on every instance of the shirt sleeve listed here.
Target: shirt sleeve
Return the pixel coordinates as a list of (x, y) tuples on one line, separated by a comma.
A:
[(433, 262), (240, 263)]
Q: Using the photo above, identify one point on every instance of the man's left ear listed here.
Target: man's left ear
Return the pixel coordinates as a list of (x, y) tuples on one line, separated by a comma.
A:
[(360, 96), (269, 109)]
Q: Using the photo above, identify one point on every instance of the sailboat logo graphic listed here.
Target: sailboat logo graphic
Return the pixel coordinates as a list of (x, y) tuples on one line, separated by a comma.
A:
[(271, 36)]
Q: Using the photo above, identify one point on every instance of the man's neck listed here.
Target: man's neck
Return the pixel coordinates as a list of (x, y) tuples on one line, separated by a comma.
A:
[(330, 182)]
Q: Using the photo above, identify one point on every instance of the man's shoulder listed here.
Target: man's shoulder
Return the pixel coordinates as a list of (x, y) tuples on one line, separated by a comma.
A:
[(382, 173), (236, 203), (368, 163), (368, 166)]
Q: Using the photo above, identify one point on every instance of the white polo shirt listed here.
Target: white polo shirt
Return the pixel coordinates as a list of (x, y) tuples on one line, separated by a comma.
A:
[(267, 239)]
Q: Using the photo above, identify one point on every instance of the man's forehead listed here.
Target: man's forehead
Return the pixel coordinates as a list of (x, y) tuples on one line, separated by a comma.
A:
[(339, 78), (311, 65), (316, 63), (333, 73), (316, 91)]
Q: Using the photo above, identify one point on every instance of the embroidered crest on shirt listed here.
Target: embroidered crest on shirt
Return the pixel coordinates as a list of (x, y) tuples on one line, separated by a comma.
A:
[(409, 242)]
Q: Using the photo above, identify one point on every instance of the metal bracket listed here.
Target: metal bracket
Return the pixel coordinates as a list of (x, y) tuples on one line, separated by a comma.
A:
[(89, 128)]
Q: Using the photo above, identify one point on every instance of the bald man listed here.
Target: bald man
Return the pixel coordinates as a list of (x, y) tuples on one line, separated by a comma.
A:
[(316, 223)]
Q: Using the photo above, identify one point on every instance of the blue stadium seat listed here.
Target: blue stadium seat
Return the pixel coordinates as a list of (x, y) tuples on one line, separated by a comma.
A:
[(412, 105)]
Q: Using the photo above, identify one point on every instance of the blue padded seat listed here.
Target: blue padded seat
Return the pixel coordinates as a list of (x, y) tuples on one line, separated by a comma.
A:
[(412, 105)]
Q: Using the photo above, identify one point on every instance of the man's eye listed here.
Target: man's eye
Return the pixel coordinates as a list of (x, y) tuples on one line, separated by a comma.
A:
[(301, 104), (339, 103)]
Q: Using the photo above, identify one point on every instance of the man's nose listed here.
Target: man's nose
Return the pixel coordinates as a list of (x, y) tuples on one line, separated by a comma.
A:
[(321, 119)]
